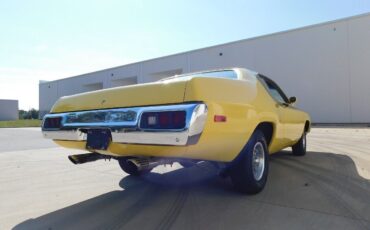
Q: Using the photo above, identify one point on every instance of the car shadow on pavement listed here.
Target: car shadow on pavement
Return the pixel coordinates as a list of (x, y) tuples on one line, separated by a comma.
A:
[(319, 190)]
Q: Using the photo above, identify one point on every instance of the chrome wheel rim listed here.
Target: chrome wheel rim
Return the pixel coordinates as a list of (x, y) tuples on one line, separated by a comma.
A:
[(258, 161), (304, 141)]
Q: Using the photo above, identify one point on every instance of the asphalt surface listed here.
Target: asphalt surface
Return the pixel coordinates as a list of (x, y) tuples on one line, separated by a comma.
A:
[(329, 188)]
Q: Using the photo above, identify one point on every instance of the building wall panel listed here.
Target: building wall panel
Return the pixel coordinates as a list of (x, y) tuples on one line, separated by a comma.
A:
[(325, 66), (8, 110)]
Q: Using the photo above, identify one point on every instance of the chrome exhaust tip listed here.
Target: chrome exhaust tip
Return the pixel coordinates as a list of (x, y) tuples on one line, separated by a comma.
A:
[(143, 163), (86, 157)]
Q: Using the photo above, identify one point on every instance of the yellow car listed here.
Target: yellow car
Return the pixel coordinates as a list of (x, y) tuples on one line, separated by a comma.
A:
[(234, 117)]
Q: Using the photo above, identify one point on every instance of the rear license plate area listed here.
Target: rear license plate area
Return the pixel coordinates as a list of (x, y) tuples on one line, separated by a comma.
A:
[(98, 139)]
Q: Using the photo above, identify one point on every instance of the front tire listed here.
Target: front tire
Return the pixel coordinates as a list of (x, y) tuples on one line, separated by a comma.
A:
[(299, 149), (249, 173)]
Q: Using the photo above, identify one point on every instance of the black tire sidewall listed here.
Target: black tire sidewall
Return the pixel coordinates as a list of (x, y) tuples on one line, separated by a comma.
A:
[(127, 168), (299, 149), (242, 172)]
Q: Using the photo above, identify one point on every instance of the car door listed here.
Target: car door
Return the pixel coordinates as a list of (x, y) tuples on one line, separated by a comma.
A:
[(293, 124), (289, 116)]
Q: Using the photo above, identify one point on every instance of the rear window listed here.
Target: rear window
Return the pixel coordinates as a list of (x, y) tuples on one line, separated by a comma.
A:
[(230, 74), (222, 74)]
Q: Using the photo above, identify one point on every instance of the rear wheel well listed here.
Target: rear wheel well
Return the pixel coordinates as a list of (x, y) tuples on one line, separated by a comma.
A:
[(267, 129)]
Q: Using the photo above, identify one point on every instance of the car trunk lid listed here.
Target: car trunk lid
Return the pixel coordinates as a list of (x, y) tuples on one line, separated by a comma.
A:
[(157, 93)]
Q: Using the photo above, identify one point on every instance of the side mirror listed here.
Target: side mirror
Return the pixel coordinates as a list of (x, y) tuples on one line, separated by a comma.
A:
[(292, 100)]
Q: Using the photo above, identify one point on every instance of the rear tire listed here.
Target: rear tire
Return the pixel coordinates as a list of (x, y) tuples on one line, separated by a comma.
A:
[(249, 173), (187, 163), (129, 168), (299, 149)]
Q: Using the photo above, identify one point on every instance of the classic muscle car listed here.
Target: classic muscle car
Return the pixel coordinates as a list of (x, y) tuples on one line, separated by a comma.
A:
[(233, 117)]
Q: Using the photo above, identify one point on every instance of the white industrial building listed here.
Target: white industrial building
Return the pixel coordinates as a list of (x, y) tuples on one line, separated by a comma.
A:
[(326, 66), (8, 110)]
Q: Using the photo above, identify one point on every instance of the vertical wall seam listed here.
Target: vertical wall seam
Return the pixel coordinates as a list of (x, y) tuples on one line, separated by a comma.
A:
[(187, 63), (141, 77), (349, 72)]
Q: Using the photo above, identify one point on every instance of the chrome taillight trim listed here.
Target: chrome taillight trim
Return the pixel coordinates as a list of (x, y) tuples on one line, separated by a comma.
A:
[(130, 131)]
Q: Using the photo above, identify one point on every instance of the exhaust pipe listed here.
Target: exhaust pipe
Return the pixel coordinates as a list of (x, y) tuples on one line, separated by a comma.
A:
[(142, 164), (86, 157)]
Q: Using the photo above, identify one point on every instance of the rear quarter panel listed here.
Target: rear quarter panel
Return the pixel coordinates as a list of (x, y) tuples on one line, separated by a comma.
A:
[(243, 102)]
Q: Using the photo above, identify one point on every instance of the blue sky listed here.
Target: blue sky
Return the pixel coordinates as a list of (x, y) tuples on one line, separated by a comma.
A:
[(47, 40)]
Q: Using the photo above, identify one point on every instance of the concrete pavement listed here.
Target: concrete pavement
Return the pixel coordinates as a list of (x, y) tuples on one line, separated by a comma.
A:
[(329, 188), (12, 139)]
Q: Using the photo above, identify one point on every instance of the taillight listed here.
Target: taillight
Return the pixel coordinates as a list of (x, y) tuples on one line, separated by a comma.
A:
[(52, 122), (163, 120)]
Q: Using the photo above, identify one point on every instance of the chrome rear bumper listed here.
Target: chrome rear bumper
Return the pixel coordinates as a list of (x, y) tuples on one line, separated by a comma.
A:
[(124, 125)]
